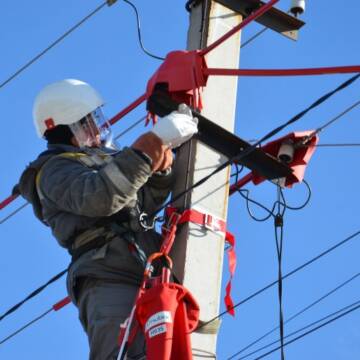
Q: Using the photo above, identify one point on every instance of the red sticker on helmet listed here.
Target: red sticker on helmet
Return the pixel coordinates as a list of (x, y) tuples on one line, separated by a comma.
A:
[(49, 123)]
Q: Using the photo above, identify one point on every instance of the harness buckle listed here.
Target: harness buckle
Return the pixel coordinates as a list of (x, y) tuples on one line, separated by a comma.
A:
[(212, 222)]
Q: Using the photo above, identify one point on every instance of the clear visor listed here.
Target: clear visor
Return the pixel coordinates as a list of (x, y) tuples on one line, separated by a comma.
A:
[(93, 130)]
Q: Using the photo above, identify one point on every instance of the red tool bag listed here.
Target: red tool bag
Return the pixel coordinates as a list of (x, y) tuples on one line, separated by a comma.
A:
[(167, 314)]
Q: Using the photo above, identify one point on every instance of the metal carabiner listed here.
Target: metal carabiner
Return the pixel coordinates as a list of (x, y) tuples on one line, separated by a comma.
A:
[(144, 221)]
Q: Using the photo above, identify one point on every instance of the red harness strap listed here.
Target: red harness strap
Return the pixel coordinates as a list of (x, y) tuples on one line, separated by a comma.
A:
[(212, 223), (171, 303)]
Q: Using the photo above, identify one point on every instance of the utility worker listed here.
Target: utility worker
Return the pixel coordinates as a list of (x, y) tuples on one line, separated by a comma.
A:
[(96, 199)]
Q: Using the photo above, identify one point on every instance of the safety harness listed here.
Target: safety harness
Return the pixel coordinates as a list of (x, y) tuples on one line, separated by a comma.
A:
[(166, 312)]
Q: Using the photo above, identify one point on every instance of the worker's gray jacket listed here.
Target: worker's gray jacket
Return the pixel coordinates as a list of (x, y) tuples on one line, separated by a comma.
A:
[(78, 190)]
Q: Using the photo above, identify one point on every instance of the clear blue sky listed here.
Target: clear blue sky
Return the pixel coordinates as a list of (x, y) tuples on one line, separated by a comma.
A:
[(105, 53)]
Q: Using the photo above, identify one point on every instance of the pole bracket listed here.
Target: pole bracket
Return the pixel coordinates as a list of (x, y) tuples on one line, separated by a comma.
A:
[(221, 140), (273, 19)]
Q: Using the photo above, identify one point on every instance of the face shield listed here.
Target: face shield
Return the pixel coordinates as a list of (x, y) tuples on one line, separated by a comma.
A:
[(93, 130)]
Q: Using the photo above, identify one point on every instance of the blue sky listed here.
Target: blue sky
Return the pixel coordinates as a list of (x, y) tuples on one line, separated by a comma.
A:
[(105, 53)]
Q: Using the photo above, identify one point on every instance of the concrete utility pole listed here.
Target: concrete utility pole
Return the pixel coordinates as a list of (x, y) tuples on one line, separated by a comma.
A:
[(198, 252)]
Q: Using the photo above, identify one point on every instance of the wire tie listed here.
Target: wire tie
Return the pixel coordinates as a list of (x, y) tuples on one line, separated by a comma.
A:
[(279, 220), (111, 2)]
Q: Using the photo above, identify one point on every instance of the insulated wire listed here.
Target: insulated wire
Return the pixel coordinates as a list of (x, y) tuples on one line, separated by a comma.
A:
[(279, 246), (255, 351), (321, 128), (131, 127), (33, 294), (338, 145), (249, 150), (57, 41), (13, 213), (278, 224), (252, 147), (139, 32), (246, 152), (252, 38), (292, 272), (26, 326), (258, 292), (337, 288), (353, 307), (270, 212), (325, 125)]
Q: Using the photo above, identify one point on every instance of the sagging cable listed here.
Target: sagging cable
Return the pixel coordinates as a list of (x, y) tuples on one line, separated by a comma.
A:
[(56, 307)]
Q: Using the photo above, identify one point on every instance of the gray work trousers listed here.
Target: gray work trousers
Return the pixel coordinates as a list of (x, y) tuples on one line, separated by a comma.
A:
[(103, 306)]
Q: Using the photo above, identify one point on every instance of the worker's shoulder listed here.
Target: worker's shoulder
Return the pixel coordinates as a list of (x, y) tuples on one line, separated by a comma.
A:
[(62, 158)]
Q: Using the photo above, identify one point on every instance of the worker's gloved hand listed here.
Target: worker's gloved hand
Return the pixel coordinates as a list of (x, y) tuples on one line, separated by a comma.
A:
[(177, 127)]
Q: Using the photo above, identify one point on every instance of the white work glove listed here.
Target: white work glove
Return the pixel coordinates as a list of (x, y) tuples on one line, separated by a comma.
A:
[(177, 127)]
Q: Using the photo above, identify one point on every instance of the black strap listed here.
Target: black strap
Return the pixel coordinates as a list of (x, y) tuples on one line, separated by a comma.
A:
[(91, 245)]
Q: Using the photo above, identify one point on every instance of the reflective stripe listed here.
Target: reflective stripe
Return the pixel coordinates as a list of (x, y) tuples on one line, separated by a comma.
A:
[(37, 184)]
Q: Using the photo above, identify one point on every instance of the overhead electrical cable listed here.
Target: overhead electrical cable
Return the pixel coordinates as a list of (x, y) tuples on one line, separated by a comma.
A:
[(13, 213), (278, 217), (353, 307), (56, 307), (256, 293), (33, 294), (289, 274), (25, 326), (337, 117), (260, 11), (240, 303), (53, 44), (279, 235), (306, 308), (142, 98), (338, 145), (139, 32), (136, 123), (270, 212), (252, 147)]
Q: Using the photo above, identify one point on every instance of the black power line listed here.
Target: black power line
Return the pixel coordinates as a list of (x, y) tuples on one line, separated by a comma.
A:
[(251, 148), (221, 167), (306, 308), (33, 294), (139, 32), (292, 272), (25, 326), (354, 306), (53, 44)]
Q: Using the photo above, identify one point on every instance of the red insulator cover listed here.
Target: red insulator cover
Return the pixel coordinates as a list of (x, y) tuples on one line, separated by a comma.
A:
[(183, 73)]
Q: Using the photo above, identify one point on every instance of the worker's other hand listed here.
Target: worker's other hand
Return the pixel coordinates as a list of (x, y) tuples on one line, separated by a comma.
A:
[(177, 127), (151, 145), (167, 160)]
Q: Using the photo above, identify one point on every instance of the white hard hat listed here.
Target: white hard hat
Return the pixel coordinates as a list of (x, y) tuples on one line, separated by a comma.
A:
[(64, 103)]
